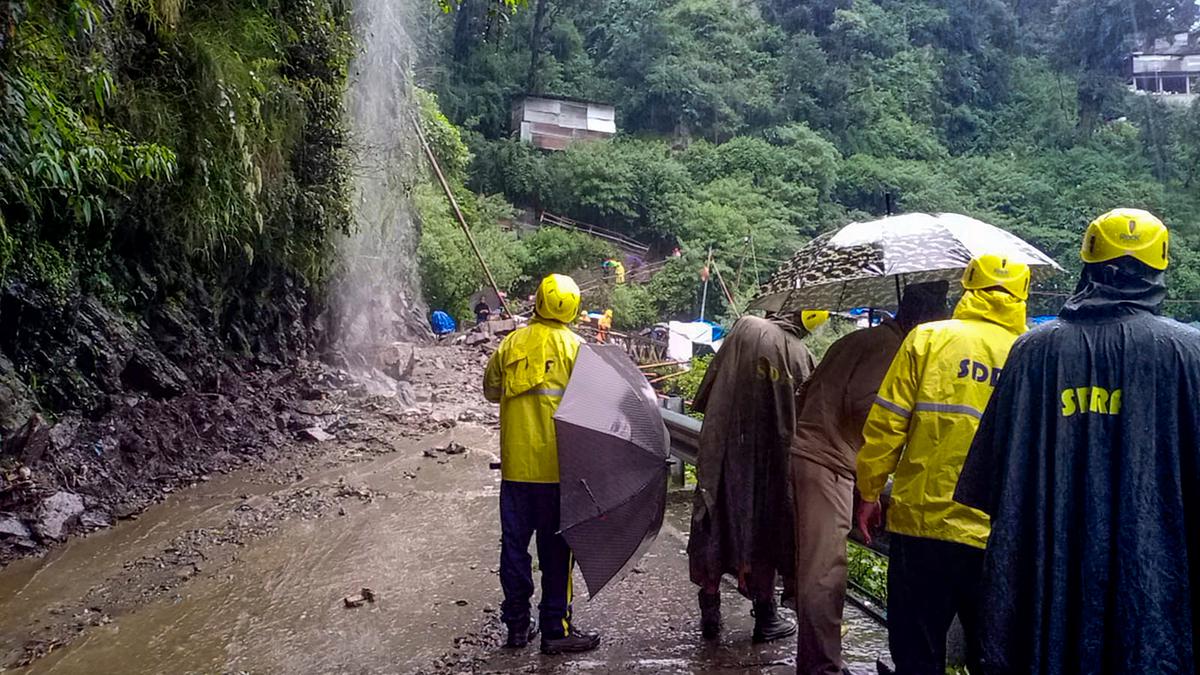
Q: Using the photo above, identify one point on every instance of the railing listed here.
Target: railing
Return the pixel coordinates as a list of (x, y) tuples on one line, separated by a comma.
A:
[(602, 232)]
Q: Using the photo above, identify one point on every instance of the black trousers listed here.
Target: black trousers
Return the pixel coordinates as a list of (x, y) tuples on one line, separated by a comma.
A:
[(929, 582), (526, 509)]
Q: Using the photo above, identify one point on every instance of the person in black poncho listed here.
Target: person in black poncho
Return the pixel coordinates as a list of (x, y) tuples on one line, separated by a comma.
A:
[(1088, 462)]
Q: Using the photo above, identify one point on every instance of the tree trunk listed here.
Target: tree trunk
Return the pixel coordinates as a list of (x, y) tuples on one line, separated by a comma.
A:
[(466, 28), (532, 83)]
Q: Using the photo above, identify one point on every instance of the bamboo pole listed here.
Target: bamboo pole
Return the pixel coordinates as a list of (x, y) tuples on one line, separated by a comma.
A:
[(668, 376), (728, 296), (437, 170)]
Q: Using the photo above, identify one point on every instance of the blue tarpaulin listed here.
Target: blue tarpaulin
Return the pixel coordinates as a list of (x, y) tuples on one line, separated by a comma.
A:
[(442, 323)]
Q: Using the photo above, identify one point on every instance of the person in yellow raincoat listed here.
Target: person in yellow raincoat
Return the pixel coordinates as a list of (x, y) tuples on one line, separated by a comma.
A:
[(920, 430), (527, 376), (604, 324)]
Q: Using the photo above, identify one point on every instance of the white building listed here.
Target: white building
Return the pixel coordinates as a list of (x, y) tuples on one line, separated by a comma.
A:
[(1168, 69)]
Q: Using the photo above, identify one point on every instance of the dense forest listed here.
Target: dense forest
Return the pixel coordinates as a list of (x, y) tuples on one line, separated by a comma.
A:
[(751, 125)]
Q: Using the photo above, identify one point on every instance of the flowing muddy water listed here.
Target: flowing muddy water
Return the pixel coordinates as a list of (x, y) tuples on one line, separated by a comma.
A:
[(422, 532)]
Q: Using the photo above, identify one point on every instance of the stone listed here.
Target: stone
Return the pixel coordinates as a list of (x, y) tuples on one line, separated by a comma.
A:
[(94, 520), (398, 360), (30, 442), (406, 394), (58, 511), (316, 434), (11, 526), (149, 371), (62, 435), (16, 401)]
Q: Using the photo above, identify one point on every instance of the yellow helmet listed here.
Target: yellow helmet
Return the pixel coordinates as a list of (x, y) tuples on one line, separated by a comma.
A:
[(557, 298), (988, 271), (1126, 232), (812, 318)]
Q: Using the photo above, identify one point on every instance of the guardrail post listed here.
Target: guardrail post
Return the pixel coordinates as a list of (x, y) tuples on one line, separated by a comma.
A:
[(678, 477)]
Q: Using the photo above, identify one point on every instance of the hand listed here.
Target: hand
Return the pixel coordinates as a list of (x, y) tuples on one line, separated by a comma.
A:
[(870, 517)]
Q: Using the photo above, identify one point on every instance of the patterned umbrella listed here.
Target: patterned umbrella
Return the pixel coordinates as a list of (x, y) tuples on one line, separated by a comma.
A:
[(864, 264)]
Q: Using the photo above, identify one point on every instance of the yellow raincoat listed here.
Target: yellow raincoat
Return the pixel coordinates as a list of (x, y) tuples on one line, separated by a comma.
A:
[(926, 414), (527, 375)]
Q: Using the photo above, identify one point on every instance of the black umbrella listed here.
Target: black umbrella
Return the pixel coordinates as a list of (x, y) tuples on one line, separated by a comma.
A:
[(612, 458)]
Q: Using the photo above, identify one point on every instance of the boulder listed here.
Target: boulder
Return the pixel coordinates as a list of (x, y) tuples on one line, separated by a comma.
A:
[(57, 513), (149, 371), (398, 360), (16, 401), (11, 526)]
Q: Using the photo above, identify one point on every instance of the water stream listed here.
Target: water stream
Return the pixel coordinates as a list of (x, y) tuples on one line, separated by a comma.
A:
[(377, 294)]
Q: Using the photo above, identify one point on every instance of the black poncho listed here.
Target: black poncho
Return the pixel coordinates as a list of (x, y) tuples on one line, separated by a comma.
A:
[(1087, 462)]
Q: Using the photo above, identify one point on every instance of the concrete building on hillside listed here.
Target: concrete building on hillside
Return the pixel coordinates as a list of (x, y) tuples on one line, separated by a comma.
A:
[(554, 122), (1167, 68)]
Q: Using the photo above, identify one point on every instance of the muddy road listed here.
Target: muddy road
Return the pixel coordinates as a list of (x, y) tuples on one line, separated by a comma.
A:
[(246, 572)]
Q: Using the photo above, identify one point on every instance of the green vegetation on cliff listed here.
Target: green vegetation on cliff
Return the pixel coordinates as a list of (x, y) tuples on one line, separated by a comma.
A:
[(161, 154)]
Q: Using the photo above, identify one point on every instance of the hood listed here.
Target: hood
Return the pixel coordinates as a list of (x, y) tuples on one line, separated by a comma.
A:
[(1116, 288), (994, 306), (789, 326)]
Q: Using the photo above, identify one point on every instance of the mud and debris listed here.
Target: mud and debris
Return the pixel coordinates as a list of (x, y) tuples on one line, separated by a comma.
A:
[(116, 472), (247, 569)]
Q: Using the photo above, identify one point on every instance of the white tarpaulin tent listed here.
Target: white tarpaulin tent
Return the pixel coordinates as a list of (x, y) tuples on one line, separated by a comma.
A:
[(683, 336)]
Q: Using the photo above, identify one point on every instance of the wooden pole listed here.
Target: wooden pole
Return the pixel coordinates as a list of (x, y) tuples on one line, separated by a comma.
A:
[(437, 170), (728, 296)]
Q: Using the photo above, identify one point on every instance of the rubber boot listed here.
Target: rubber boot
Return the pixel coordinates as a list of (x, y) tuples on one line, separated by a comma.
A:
[(768, 625), (710, 615), (573, 642), (519, 636)]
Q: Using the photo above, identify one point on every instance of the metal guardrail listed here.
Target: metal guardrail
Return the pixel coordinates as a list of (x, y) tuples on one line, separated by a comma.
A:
[(685, 436), (685, 447)]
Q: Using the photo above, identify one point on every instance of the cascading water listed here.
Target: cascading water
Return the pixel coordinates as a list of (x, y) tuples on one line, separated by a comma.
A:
[(377, 296)]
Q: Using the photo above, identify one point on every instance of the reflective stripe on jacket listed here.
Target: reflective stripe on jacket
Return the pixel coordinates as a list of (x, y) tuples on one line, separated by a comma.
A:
[(528, 375), (926, 414)]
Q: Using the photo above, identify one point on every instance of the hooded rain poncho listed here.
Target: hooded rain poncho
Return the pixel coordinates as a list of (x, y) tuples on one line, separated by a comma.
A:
[(1088, 460), (742, 513)]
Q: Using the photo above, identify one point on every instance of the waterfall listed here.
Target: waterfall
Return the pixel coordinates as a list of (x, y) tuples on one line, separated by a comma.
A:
[(376, 296)]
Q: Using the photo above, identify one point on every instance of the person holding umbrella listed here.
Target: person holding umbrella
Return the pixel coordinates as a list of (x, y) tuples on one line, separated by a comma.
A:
[(527, 376), (1087, 461), (920, 428), (833, 408), (742, 513)]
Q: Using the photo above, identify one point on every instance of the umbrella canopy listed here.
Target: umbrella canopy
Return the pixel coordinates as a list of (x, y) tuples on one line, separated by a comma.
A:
[(863, 264), (612, 459)]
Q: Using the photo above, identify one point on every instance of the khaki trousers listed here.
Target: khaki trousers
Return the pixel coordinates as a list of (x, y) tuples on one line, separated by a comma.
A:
[(824, 502)]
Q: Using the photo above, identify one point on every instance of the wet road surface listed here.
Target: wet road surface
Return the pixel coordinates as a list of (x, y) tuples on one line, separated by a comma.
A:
[(421, 531)]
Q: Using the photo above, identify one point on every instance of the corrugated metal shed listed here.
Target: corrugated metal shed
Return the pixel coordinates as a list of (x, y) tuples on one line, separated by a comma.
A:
[(553, 123)]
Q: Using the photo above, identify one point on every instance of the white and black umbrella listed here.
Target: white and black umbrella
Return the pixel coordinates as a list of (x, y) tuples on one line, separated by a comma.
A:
[(865, 264)]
